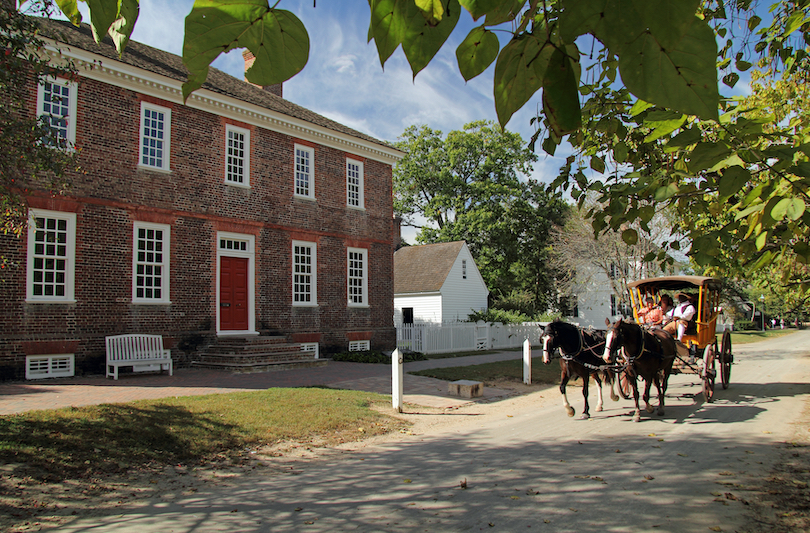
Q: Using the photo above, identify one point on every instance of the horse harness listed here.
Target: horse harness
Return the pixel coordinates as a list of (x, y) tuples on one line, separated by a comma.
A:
[(583, 347)]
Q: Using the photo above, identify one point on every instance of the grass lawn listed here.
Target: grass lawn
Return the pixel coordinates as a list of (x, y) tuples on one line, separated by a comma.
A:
[(81, 442), (746, 337), (511, 370)]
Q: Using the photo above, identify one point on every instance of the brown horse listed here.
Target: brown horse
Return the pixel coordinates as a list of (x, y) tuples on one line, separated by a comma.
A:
[(580, 350), (648, 354)]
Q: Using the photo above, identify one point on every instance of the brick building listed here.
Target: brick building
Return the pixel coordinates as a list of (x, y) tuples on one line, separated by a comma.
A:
[(238, 215)]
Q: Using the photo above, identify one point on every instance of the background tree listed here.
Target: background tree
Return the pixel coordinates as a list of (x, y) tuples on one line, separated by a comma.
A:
[(473, 186), (578, 256), (31, 154)]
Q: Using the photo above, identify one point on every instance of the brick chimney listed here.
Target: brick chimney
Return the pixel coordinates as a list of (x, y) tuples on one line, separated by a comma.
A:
[(273, 89)]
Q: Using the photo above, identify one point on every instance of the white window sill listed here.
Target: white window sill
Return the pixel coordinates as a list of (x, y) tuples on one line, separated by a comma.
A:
[(151, 302), (356, 208), (305, 198), (237, 185), (49, 301), (154, 169), (299, 304)]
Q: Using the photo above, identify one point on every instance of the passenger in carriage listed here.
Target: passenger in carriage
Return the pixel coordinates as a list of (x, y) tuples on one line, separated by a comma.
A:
[(667, 307), (682, 314), (651, 315)]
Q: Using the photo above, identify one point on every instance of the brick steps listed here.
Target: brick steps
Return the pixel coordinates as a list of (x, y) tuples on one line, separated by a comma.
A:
[(255, 354)]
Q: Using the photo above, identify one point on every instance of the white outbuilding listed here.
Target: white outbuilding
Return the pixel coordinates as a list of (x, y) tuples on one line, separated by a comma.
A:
[(437, 283)]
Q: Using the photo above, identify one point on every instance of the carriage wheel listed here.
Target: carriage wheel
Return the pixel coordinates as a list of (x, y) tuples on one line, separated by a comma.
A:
[(726, 359), (708, 373)]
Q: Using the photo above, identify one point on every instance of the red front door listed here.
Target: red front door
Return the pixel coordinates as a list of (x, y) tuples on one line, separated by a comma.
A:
[(233, 294)]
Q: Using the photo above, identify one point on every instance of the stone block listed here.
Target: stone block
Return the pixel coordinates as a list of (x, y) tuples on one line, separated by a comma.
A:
[(466, 388)]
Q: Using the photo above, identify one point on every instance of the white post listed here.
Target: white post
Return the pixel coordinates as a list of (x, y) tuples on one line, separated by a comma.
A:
[(527, 362), (396, 380)]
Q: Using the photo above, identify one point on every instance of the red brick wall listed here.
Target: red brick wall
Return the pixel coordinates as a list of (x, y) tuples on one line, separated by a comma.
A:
[(194, 200)]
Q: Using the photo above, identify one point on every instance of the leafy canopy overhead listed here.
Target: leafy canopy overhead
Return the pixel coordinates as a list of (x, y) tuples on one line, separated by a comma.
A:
[(665, 51)]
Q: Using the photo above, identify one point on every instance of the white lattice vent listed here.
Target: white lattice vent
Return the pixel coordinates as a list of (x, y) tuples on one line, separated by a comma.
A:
[(359, 346), (310, 347), (49, 366)]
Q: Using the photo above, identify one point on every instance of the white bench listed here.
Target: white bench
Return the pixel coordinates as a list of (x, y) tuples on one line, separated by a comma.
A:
[(138, 351)]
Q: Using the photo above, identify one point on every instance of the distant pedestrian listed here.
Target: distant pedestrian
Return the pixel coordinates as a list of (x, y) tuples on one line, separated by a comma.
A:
[(783, 323)]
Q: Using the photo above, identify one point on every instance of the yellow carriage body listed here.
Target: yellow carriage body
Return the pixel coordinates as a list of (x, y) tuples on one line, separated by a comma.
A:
[(707, 305)]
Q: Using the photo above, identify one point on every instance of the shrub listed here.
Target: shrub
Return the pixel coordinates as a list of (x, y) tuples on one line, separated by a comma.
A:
[(372, 356)]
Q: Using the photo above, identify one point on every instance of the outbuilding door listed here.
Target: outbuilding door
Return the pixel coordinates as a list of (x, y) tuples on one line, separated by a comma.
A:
[(233, 294)]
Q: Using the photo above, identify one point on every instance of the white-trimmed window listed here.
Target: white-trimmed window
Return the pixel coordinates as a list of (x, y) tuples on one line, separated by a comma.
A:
[(357, 277), (237, 156), (304, 171), (51, 256), (150, 263), (155, 136), (304, 270), (354, 184), (56, 101), (463, 269)]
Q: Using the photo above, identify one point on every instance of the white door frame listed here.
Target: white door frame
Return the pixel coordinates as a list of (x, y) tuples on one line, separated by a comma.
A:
[(238, 245)]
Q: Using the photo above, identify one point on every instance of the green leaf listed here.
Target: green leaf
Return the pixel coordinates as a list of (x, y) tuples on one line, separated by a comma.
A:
[(731, 79), (802, 250), (479, 8), (121, 29), (477, 52), (422, 39), (762, 240), (276, 37), (706, 155), (598, 164), (389, 24), (102, 14), (630, 236), (742, 66), (732, 181), (433, 10), (620, 152), (668, 20), (685, 138), (662, 128), (666, 192), (790, 208), (561, 94), (519, 73), (794, 22), (639, 107), (753, 22), (70, 8), (682, 78), (503, 11)]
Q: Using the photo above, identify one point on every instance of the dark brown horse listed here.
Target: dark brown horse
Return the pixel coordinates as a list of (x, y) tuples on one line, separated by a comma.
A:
[(648, 354), (580, 350)]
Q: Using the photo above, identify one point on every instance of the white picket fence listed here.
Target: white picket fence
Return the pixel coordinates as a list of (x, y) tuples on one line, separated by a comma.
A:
[(465, 336)]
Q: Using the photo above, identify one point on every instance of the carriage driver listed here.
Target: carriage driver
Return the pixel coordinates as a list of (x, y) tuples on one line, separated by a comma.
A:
[(682, 314), (651, 315)]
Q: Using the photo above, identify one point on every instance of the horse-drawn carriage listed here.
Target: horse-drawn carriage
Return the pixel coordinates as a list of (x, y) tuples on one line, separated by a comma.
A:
[(627, 351), (700, 338)]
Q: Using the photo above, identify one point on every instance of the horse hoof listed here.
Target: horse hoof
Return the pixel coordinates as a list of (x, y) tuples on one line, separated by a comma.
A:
[(570, 411), (598, 408), (660, 412), (650, 408), (585, 416), (614, 397), (637, 418)]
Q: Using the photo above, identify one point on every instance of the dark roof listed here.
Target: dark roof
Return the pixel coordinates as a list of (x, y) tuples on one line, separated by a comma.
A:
[(166, 64), (424, 268)]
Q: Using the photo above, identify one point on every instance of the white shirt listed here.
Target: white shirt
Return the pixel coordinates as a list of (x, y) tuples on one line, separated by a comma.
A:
[(684, 311)]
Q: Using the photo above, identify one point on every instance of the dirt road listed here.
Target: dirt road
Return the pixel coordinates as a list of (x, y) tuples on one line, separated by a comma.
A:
[(521, 464)]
